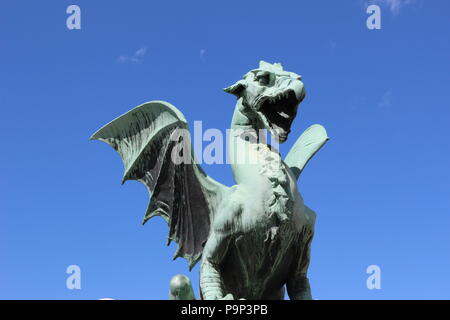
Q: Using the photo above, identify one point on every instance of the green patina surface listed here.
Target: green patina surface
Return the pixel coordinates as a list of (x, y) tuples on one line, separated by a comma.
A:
[(253, 239)]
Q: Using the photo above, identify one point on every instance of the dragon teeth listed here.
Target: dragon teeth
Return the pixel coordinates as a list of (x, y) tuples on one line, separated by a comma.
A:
[(284, 115)]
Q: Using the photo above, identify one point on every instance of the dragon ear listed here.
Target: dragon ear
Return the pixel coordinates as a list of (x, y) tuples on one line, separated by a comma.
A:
[(236, 88)]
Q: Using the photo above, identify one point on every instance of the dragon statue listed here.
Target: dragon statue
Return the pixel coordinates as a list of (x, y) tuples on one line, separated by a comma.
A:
[(254, 238)]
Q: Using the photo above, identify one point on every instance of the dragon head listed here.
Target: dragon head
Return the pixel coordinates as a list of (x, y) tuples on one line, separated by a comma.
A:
[(271, 96)]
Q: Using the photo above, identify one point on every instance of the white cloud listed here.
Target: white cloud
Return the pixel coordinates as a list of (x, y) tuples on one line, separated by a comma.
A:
[(394, 5), (122, 59), (136, 58), (333, 44), (202, 53), (141, 52), (386, 100)]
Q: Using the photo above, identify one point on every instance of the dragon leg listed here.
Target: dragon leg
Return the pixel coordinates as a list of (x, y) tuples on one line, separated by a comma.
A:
[(211, 284)]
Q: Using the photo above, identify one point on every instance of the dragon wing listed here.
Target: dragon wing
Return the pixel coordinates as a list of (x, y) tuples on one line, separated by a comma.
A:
[(146, 137), (306, 146)]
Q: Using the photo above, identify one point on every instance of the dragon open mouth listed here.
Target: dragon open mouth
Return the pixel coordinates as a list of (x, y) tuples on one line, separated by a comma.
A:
[(278, 113)]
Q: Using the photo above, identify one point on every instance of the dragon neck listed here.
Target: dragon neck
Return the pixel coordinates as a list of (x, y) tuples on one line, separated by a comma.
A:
[(245, 133), (253, 161)]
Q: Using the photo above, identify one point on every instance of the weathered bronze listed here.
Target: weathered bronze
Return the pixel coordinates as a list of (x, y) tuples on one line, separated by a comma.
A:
[(253, 238)]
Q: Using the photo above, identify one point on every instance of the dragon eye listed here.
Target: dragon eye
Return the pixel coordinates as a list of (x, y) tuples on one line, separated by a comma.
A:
[(263, 78)]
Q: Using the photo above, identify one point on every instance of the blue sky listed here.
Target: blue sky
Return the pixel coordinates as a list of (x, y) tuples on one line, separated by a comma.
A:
[(380, 187)]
